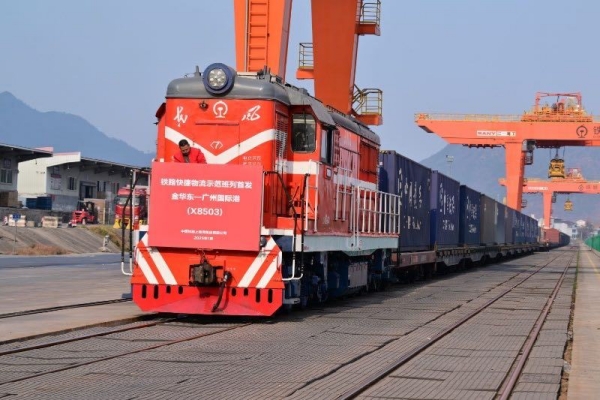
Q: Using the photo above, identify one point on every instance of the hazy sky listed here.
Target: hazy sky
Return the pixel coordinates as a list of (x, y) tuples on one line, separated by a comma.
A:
[(110, 61)]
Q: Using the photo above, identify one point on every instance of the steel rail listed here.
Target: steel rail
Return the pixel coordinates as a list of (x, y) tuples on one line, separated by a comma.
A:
[(507, 387), (83, 337), (377, 376), (60, 308), (169, 343)]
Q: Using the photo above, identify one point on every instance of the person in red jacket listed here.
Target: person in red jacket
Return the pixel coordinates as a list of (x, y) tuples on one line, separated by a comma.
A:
[(189, 154)]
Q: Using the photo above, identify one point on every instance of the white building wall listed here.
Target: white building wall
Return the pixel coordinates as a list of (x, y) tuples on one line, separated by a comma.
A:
[(64, 179), (32, 178)]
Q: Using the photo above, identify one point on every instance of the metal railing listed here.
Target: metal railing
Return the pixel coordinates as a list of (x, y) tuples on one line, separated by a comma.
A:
[(370, 12), (311, 192), (373, 213), (306, 56), (367, 101), (343, 193), (377, 212), (504, 118)]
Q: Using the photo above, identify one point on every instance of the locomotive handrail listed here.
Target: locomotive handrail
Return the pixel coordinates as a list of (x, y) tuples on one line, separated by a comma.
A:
[(290, 203), (302, 214)]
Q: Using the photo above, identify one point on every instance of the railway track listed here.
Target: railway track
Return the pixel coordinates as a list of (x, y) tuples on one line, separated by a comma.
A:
[(325, 341), (61, 308), (52, 344), (510, 381)]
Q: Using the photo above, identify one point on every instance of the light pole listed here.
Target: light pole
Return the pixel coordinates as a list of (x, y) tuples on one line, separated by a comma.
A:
[(449, 160)]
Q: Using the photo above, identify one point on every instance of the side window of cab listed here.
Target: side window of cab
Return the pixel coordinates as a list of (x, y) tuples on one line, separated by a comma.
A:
[(303, 133)]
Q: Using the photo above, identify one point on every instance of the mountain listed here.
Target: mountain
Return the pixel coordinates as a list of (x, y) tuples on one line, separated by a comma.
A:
[(21, 125), (480, 169)]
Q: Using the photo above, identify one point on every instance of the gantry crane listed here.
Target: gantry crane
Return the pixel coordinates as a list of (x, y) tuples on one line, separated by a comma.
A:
[(262, 33), (564, 123), (574, 182)]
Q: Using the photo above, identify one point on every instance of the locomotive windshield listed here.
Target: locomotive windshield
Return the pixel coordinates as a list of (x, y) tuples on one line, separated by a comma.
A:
[(303, 133)]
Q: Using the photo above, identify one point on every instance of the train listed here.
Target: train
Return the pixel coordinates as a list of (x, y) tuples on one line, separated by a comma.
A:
[(297, 204)]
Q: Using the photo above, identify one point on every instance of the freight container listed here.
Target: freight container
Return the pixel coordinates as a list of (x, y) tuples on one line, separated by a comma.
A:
[(411, 181), (511, 224), (501, 224), (489, 220), (445, 210), (470, 217), (523, 227), (533, 235), (44, 203), (31, 202), (551, 235)]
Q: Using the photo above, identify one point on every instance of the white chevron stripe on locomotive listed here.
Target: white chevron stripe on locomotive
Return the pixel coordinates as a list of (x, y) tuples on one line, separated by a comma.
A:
[(146, 270), (291, 167), (256, 264), (229, 154), (273, 267), (159, 261)]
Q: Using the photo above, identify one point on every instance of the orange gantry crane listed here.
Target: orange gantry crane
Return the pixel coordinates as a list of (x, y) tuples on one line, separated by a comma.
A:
[(262, 32), (574, 182), (563, 123)]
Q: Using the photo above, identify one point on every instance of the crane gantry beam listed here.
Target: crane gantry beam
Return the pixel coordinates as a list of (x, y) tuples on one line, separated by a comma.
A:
[(563, 124), (573, 184)]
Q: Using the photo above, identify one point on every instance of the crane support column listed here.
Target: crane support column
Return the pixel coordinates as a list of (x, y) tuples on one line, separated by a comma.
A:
[(515, 170), (262, 30), (335, 44)]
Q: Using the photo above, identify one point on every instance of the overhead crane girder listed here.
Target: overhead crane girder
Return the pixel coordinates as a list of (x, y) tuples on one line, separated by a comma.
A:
[(546, 127), (562, 186)]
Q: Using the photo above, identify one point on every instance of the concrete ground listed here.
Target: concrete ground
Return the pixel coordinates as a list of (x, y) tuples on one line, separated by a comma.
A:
[(77, 240), (584, 379)]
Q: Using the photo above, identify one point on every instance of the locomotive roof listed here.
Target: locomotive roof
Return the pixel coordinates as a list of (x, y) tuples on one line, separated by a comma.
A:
[(268, 87)]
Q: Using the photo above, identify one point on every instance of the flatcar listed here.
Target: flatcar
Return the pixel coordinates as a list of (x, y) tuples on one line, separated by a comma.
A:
[(296, 204)]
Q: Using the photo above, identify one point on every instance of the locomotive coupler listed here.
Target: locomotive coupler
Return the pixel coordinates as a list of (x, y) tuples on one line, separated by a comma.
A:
[(203, 274)]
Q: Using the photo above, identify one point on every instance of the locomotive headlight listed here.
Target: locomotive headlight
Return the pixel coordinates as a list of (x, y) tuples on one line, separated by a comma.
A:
[(218, 78)]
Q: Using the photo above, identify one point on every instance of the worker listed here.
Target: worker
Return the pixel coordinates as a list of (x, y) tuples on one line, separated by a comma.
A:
[(189, 154)]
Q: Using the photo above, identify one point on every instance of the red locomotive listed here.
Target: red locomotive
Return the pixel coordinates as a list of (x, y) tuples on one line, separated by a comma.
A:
[(286, 211)]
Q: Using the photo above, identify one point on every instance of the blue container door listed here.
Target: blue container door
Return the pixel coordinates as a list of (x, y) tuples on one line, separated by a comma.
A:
[(445, 210), (501, 224), (488, 220), (470, 217)]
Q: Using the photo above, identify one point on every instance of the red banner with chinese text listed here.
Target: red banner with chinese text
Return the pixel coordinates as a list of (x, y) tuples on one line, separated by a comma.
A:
[(205, 206)]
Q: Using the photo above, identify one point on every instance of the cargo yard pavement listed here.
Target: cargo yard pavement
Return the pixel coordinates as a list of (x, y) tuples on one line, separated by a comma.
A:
[(30, 283), (317, 353), (73, 240)]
